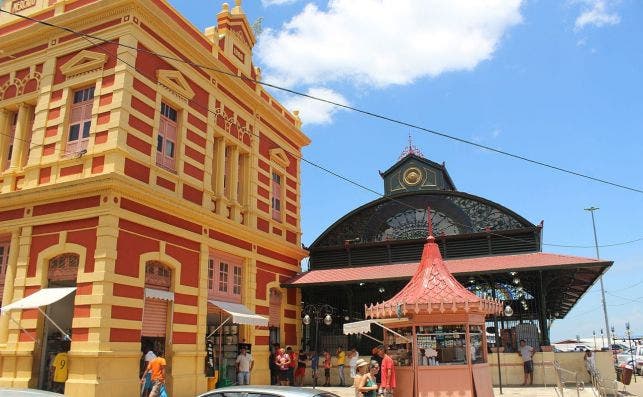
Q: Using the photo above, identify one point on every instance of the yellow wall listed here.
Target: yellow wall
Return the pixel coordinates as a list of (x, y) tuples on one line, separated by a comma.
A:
[(243, 225)]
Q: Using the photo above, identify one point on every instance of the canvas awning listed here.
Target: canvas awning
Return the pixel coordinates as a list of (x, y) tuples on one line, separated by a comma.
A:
[(43, 297), (240, 314), (159, 294), (363, 327)]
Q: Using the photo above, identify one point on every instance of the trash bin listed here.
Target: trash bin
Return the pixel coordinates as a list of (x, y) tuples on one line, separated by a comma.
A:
[(624, 374)]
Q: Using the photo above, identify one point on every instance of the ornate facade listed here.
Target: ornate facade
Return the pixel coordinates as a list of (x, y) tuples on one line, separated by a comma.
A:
[(151, 183)]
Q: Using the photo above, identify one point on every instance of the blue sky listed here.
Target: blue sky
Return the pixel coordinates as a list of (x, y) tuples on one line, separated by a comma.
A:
[(555, 81)]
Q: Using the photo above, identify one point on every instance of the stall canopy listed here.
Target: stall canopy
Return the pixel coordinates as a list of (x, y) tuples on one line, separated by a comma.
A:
[(240, 313), (43, 297), (364, 327)]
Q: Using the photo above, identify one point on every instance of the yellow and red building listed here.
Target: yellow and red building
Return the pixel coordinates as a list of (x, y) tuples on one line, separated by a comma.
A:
[(153, 184)]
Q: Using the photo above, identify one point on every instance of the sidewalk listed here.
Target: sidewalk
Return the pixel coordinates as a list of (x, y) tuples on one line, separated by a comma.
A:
[(634, 389)]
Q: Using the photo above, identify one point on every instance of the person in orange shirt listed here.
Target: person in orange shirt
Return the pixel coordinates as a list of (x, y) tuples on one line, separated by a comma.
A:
[(157, 368)]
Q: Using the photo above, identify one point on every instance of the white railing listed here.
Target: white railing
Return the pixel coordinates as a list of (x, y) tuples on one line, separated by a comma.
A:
[(565, 379)]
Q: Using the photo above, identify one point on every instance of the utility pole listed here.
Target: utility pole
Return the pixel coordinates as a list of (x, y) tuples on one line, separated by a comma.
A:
[(607, 327)]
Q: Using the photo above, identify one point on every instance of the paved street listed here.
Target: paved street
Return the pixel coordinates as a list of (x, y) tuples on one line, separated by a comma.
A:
[(634, 389)]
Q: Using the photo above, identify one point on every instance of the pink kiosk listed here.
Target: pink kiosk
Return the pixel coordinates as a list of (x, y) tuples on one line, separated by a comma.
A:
[(437, 335)]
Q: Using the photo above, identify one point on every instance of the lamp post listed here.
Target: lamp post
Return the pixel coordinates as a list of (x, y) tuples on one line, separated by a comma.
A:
[(609, 339), (594, 333), (508, 311), (602, 340), (317, 312), (629, 337)]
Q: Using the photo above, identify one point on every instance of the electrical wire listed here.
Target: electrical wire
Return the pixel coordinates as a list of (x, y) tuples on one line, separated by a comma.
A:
[(103, 41), (347, 107)]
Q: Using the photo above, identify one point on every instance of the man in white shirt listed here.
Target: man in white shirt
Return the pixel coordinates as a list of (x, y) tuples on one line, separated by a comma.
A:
[(244, 366), (527, 353)]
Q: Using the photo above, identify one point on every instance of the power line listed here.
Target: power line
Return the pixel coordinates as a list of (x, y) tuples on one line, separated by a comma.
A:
[(348, 107), (103, 41)]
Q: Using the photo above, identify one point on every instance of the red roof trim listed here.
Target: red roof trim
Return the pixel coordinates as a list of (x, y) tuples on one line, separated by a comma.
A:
[(401, 271)]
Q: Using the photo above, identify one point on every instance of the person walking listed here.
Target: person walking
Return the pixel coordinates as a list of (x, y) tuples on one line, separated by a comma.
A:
[(388, 373), (527, 353), (157, 368), (341, 360), (283, 362), (291, 366), (367, 385), (272, 364), (314, 366), (327, 365), (301, 368), (147, 385), (353, 356), (376, 357), (244, 363)]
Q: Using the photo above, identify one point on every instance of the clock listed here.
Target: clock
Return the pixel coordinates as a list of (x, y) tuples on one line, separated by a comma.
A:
[(412, 176)]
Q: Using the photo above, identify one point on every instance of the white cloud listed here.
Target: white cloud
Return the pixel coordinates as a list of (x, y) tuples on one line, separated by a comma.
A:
[(596, 12), (312, 111), (268, 3), (385, 42)]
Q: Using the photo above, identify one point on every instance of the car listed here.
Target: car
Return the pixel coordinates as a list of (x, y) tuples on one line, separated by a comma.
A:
[(267, 391), (7, 392), (633, 357)]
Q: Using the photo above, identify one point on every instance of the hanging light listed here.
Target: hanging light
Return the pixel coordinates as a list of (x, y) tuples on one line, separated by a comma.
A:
[(328, 320), (306, 319), (509, 311), (472, 280), (516, 280), (346, 318), (513, 273), (381, 290)]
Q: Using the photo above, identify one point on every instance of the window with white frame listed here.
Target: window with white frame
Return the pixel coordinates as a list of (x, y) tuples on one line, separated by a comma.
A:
[(276, 196), (80, 120), (224, 278), (167, 138)]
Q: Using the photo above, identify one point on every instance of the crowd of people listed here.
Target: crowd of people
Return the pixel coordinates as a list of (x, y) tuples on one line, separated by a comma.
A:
[(370, 378)]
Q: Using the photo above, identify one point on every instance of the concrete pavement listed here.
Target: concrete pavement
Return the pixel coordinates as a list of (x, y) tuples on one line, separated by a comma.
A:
[(634, 389)]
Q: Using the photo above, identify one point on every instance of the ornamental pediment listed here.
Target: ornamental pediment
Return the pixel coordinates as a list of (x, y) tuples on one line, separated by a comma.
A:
[(279, 156), (174, 81), (83, 62)]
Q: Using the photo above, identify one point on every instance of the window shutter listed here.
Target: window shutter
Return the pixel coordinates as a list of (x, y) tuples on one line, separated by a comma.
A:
[(12, 135), (159, 155), (274, 319), (276, 197), (154, 318)]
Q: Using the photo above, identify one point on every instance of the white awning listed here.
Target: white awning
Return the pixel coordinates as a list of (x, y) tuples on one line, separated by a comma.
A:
[(159, 294), (44, 297), (364, 327), (240, 313)]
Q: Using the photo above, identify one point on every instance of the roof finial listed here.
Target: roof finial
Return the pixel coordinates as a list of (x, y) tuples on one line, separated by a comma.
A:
[(411, 149), (429, 223)]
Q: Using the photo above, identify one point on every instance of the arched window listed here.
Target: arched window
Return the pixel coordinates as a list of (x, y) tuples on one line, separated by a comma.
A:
[(157, 276), (63, 267)]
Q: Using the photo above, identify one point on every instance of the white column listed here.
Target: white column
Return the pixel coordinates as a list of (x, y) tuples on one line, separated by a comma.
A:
[(220, 174)]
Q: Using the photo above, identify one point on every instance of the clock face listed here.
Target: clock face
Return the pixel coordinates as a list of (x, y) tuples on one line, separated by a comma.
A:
[(412, 224), (412, 176)]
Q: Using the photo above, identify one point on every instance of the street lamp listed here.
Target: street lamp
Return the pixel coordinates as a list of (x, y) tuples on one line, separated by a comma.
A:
[(508, 312), (629, 337), (317, 312), (594, 333), (602, 340)]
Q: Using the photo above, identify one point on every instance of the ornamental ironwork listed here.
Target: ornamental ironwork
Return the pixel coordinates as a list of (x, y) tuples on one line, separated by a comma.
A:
[(157, 275), (404, 218), (63, 267)]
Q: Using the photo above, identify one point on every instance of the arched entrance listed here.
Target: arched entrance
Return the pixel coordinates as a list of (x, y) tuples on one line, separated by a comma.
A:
[(61, 272), (158, 298)]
